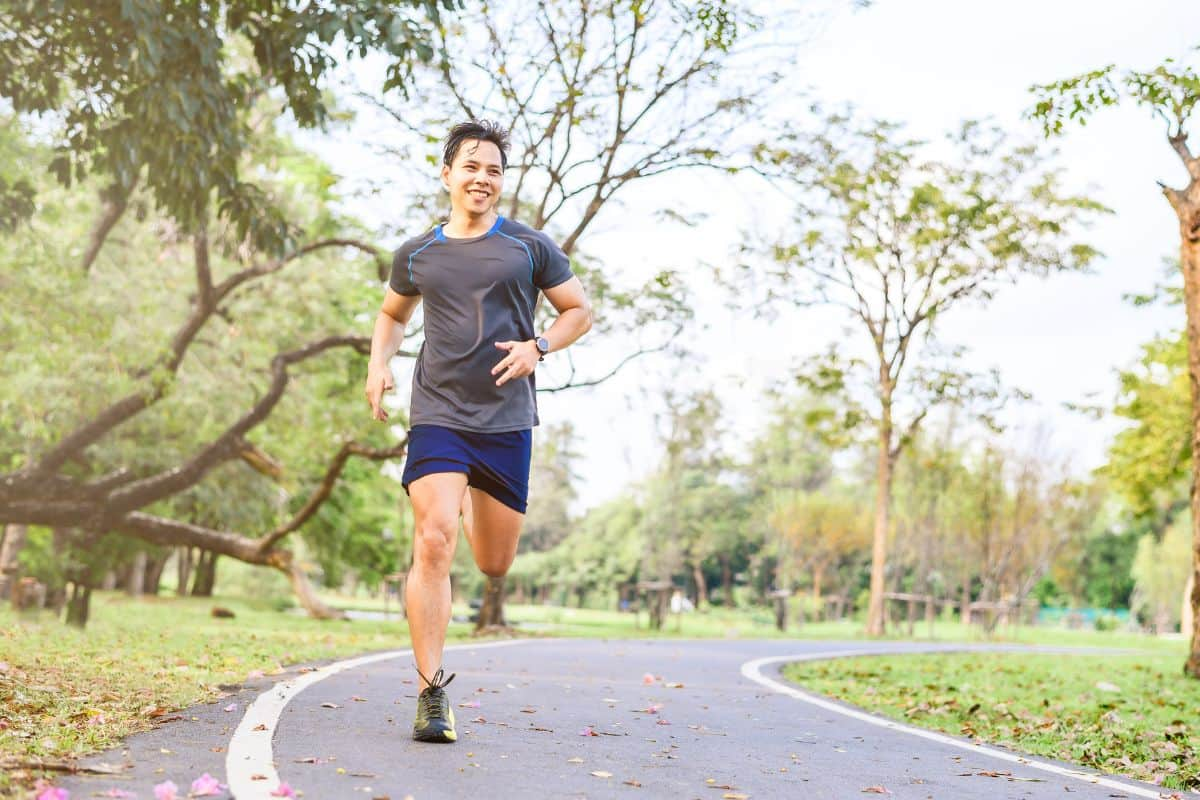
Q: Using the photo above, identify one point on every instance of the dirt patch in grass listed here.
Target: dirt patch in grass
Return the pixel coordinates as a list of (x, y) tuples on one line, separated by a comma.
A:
[(1132, 715)]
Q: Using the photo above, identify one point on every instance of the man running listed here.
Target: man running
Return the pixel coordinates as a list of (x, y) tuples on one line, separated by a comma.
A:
[(473, 404)]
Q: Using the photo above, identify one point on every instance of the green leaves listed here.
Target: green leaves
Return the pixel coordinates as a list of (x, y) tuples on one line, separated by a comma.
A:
[(146, 88), (1171, 91)]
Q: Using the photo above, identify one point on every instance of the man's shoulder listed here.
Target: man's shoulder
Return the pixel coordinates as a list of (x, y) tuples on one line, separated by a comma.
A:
[(414, 244), (510, 227)]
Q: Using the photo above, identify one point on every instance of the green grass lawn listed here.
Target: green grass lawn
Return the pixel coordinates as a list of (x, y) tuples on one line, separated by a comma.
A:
[(1134, 715)]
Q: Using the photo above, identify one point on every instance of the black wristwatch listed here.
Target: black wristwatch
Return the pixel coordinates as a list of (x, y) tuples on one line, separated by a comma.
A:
[(543, 347)]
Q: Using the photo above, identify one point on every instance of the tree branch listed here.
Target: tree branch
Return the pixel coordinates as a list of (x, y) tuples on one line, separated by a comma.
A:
[(143, 398), (322, 492), (155, 487), (1191, 163), (114, 201)]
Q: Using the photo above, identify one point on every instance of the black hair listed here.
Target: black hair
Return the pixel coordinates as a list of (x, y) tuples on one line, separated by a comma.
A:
[(482, 130)]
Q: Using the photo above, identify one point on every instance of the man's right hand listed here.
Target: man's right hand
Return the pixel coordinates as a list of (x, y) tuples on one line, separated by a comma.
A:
[(379, 380)]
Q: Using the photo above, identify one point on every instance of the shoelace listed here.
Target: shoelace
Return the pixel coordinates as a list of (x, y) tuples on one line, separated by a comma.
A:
[(431, 696)]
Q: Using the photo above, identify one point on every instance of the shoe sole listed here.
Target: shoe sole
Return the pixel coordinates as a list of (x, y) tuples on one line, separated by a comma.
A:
[(437, 737)]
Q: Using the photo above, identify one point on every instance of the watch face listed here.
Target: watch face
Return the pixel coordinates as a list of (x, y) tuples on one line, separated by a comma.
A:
[(542, 345)]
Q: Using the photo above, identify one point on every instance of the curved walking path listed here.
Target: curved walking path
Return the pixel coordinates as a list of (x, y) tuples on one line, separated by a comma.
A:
[(571, 718)]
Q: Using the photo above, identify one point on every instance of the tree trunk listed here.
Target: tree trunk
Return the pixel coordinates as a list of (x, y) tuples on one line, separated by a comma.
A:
[(883, 507), (14, 541), (726, 579), (964, 613), (79, 608), (282, 561), (183, 569), (491, 610), (206, 574), (1187, 207), (135, 580), (154, 571), (701, 586)]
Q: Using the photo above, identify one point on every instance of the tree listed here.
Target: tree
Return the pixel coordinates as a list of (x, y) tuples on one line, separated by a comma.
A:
[(815, 531), (144, 91), (1171, 92), (1159, 569), (88, 464), (897, 240)]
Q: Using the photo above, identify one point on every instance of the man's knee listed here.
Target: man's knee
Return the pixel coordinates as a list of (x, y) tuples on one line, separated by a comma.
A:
[(433, 544), (494, 567)]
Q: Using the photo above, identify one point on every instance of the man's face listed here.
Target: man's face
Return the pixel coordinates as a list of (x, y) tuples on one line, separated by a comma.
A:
[(475, 177)]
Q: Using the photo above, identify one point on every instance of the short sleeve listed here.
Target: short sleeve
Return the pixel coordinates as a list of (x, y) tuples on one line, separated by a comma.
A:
[(402, 279), (551, 265)]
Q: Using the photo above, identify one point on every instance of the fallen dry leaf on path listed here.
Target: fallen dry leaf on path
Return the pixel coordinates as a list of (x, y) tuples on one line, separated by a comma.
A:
[(632, 782), (330, 705), (575, 760), (599, 773), (876, 790)]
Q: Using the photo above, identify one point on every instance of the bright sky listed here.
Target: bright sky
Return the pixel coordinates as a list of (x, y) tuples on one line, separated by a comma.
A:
[(929, 64)]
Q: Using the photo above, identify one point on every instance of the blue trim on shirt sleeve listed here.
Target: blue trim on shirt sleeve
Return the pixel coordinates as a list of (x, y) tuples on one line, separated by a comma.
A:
[(413, 255), (527, 252)]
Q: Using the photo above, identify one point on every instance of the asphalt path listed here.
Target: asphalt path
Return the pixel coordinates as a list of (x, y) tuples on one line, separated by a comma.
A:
[(572, 718)]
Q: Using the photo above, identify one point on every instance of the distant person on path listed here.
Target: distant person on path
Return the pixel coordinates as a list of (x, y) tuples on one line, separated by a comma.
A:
[(473, 403)]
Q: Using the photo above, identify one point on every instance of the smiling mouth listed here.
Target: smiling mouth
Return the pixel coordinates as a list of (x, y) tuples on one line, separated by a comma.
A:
[(478, 193)]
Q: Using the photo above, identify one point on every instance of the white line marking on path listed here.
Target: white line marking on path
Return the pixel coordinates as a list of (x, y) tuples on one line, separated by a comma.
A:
[(753, 671), (251, 752)]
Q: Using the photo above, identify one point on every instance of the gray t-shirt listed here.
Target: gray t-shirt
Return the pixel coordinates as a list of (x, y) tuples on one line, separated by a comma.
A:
[(476, 292)]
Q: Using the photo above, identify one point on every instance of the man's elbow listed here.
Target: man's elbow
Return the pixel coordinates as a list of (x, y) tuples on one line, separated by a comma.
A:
[(588, 318)]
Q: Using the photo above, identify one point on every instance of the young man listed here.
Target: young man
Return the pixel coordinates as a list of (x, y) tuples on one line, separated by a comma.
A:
[(473, 403)]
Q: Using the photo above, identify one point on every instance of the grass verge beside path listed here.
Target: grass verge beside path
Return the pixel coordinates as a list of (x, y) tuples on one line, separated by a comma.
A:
[(1133, 715), (66, 692)]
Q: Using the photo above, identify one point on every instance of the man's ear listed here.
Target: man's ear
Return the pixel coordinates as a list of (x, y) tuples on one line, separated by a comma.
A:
[(446, 176)]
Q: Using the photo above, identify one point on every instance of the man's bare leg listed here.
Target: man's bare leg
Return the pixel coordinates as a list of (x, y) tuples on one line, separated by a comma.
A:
[(437, 503), (493, 531)]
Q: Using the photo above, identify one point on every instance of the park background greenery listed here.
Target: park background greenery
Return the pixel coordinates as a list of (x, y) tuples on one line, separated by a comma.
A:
[(879, 471)]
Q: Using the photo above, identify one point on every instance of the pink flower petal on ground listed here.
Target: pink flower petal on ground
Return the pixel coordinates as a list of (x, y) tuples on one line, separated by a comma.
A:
[(647, 678), (48, 791), (588, 732), (230, 707), (207, 785), (283, 791), (469, 704), (166, 790), (662, 722)]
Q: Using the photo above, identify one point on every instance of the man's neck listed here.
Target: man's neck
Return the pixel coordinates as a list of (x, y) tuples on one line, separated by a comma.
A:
[(463, 226)]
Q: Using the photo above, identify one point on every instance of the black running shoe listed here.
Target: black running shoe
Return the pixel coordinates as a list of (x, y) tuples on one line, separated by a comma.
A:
[(435, 718)]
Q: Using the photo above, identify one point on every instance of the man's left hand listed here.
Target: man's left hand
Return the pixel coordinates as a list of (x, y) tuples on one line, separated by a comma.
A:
[(521, 360)]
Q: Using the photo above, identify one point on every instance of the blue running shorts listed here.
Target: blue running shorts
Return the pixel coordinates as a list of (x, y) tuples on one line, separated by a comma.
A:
[(497, 463)]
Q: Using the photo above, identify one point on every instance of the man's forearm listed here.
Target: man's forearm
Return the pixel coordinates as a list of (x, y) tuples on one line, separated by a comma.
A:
[(570, 325), (386, 340)]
